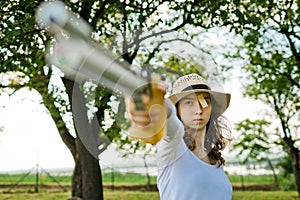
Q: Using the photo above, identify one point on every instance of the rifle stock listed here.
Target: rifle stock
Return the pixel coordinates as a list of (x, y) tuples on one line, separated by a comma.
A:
[(82, 60)]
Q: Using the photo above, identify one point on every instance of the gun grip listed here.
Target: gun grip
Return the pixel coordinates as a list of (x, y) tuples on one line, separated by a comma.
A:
[(154, 133)]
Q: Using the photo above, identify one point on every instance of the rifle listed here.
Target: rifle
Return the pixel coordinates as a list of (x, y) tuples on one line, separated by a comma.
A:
[(80, 59)]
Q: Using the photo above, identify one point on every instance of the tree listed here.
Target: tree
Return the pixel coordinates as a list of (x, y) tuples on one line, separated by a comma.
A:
[(124, 27), (270, 46), (255, 143)]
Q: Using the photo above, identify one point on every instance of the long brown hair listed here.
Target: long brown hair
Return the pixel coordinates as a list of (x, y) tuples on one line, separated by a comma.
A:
[(217, 135)]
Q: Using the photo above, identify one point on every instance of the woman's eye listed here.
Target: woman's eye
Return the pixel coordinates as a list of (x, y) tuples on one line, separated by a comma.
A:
[(192, 102), (188, 103)]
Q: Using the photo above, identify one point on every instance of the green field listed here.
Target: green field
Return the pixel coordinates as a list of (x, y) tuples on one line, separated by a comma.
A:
[(46, 184), (130, 195), (126, 178)]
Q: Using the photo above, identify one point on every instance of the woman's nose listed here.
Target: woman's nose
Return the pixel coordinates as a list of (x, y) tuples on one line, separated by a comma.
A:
[(198, 108)]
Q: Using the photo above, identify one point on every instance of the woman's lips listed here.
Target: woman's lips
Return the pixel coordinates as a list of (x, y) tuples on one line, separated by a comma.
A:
[(198, 120)]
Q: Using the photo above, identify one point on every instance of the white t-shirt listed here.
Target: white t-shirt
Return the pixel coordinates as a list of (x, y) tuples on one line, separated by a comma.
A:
[(182, 175)]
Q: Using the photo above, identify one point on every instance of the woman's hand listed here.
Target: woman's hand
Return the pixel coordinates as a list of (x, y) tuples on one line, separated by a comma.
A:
[(146, 118), (142, 118)]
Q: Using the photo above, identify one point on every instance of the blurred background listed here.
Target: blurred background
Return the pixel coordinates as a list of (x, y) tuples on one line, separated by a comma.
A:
[(250, 49)]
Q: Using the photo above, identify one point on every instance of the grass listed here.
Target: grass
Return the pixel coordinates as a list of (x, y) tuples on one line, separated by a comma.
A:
[(257, 179), (120, 178), (265, 195), (35, 196), (128, 179), (137, 195), (31, 178)]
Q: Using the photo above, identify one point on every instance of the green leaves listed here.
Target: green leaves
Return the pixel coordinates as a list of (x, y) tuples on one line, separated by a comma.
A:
[(255, 139), (270, 32)]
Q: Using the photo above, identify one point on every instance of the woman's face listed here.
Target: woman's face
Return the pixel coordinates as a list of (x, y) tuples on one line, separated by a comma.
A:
[(194, 114)]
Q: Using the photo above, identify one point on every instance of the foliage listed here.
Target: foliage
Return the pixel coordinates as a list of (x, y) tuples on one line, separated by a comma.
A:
[(285, 166), (270, 46), (255, 140), (286, 179), (287, 183)]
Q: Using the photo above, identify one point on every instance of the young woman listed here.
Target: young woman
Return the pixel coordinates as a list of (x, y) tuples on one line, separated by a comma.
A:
[(190, 165)]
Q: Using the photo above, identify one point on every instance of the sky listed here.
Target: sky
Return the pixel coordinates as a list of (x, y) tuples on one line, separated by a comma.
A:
[(30, 136)]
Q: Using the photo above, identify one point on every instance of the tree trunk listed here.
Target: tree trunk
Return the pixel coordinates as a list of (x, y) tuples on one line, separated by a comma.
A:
[(77, 178), (147, 172), (86, 178), (91, 174), (273, 171), (294, 153), (87, 152)]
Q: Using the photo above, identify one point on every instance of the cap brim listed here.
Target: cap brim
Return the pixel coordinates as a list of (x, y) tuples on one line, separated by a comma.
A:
[(222, 99)]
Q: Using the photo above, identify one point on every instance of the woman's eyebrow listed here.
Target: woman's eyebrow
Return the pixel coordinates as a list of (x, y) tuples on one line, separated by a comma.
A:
[(187, 98)]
